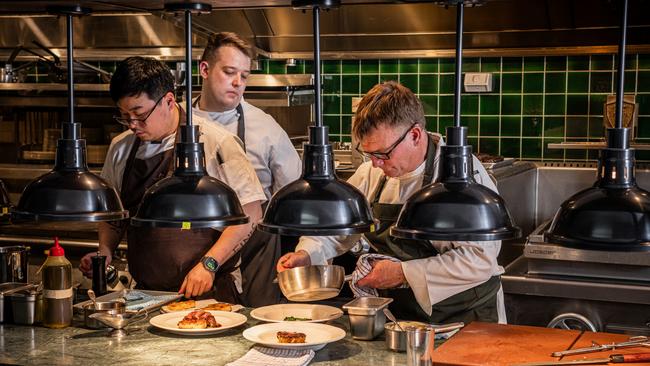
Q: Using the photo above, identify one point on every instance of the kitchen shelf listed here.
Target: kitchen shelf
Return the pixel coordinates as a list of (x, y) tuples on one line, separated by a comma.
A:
[(591, 146)]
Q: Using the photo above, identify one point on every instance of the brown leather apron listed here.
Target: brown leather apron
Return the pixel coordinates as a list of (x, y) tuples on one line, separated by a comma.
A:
[(160, 258)]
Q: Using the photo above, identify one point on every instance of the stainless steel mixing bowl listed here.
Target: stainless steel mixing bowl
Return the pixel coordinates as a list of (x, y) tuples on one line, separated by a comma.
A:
[(311, 283)]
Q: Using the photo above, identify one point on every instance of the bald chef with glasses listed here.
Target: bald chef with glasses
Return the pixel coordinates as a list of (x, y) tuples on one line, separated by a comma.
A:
[(432, 281)]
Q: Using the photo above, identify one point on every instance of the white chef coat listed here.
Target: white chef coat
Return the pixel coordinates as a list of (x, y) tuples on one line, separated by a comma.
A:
[(461, 265), (268, 147)]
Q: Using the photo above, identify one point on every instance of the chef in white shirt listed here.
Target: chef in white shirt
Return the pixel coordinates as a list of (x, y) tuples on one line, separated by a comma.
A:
[(433, 281), (225, 67)]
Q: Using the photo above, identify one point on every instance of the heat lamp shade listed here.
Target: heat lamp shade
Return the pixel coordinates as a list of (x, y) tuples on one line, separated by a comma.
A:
[(599, 218), (197, 201), (455, 211), (69, 195), (318, 207)]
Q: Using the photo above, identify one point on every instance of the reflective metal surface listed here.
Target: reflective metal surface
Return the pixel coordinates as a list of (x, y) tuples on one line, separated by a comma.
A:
[(311, 283)]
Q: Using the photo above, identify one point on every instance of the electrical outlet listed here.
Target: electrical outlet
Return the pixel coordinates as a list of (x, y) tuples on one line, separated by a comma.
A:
[(478, 82)]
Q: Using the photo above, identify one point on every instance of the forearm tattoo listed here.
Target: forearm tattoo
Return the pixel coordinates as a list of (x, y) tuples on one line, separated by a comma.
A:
[(243, 241)]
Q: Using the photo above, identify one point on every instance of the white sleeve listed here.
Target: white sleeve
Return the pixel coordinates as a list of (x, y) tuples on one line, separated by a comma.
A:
[(109, 172), (284, 162)]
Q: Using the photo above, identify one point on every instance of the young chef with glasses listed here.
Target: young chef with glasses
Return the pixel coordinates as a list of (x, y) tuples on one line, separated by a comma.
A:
[(193, 262), (432, 281)]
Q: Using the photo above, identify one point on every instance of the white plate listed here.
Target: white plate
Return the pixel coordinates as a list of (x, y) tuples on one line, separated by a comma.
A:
[(277, 313), (169, 322), (201, 304), (318, 335)]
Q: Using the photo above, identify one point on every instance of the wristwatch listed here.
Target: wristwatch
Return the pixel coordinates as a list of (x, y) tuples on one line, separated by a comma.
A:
[(210, 264)]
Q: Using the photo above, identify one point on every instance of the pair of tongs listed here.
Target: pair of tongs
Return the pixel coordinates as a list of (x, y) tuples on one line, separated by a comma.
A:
[(596, 347)]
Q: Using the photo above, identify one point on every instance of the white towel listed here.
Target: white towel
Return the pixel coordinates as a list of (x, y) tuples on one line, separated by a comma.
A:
[(264, 356), (364, 266)]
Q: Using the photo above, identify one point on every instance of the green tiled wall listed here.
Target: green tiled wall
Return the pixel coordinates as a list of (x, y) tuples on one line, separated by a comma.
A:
[(536, 100)]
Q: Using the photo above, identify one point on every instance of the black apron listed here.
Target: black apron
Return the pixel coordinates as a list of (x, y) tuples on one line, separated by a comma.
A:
[(259, 254), (160, 258), (478, 303)]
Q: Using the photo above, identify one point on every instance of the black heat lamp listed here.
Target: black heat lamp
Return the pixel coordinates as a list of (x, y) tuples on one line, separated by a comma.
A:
[(613, 214), (189, 198), (456, 207), (318, 203), (69, 192)]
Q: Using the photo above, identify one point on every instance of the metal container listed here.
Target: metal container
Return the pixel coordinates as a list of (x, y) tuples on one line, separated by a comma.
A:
[(6, 313), (108, 307), (27, 306), (311, 283), (13, 263), (395, 338), (366, 316)]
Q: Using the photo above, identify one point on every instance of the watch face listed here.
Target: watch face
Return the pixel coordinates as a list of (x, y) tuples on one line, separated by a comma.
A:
[(210, 264)]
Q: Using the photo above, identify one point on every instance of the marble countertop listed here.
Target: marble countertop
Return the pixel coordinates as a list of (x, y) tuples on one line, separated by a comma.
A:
[(146, 345)]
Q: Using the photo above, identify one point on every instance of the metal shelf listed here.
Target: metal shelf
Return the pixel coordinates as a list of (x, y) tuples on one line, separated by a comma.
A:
[(591, 146)]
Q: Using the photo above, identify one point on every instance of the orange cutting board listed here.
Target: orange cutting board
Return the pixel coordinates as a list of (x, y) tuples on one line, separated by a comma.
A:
[(499, 344)]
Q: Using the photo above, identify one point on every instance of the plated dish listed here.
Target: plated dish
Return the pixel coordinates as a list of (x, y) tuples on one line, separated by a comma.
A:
[(296, 312), (316, 337), (170, 322)]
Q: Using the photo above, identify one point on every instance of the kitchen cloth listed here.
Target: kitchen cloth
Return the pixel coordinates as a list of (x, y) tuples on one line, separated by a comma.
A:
[(265, 356), (364, 266), (136, 300)]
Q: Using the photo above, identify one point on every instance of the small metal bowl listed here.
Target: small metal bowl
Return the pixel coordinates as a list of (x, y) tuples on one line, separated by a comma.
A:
[(311, 283), (108, 307), (395, 338)]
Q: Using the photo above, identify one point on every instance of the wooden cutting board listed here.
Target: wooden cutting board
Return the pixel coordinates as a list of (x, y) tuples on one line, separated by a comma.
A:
[(587, 338), (499, 344)]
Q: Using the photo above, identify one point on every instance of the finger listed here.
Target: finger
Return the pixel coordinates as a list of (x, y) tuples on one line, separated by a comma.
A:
[(182, 289)]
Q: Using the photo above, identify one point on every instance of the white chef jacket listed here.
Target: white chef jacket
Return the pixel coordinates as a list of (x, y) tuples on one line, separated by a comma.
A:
[(268, 147), (461, 265)]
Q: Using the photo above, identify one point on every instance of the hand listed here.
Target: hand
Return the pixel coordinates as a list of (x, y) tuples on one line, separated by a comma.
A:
[(384, 274), (86, 264), (197, 282), (293, 259)]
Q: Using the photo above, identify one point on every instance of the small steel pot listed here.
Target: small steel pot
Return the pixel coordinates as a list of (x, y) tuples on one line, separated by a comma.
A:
[(108, 307), (395, 338)]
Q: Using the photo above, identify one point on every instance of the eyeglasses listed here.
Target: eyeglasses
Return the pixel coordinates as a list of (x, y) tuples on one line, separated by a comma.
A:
[(127, 121), (385, 155)]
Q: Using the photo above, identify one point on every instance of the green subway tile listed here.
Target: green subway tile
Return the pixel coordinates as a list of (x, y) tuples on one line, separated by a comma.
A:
[(369, 66), (630, 62), (575, 154), (552, 154), (644, 62), (428, 65), (496, 83), (533, 64), (593, 155), (446, 105), (471, 123), (602, 62), (408, 66), (576, 126), (489, 126), (428, 84), (443, 123), (555, 63), (577, 104), (643, 83), (601, 82), (432, 123), (350, 66), (473, 142), (430, 104), (630, 81), (511, 126), (410, 81), (469, 104), (277, 67), (389, 77), (555, 82), (346, 138), (388, 66), (596, 104), (642, 155), (511, 104), (531, 126), (471, 65), (350, 84), (596, 128), (554, 105), (533, 105), (643, 129), (331, 67), (346, 125), (368, 81), (534, 82), (297, 69), (489, 104), (510, 147), (309, 67), (331, 104), (554, 126), (447, 65), (334, 123), (447, 83), (490, 64), (489, 146), (331, 84), (531, 148), (511, 64), (578, 82), (511, 83), (346, 104), (644, 103), (578, 63)]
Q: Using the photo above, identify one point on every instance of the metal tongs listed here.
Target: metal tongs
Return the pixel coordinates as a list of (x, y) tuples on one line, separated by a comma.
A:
[(596, 347)]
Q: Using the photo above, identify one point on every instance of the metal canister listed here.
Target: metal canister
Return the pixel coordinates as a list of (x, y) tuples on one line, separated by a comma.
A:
[(13, 263)]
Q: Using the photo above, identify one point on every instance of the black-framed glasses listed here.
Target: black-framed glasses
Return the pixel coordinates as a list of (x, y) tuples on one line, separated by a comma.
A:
[(127, 121), (385, 155)]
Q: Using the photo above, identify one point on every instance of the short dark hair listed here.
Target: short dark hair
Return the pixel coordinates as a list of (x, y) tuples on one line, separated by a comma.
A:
[(136, 75), (222, 39), (388, 103)]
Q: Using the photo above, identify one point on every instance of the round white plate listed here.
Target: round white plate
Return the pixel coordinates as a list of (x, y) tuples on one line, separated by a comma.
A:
[(277, 313), (169, 322), (201, 304), (318, 335)]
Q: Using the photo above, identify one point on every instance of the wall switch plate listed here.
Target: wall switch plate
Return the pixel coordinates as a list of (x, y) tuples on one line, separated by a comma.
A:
[(478, 82)]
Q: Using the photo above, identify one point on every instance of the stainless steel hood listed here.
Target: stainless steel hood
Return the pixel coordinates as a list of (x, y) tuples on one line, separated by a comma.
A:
[(358, 29)]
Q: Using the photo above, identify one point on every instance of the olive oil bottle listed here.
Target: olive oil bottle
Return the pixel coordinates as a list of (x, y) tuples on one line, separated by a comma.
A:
[(57, 289)]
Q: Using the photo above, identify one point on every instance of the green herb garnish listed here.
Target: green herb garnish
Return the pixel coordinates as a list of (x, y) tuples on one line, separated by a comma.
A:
[(295, 319)]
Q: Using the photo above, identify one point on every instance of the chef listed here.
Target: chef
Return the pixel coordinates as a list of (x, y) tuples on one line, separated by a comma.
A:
[(433, 281), (225, 67), (193, 262)]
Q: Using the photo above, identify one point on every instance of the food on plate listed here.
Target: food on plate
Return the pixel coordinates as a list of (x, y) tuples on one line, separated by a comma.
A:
[(220, 306), (295, 319), (291, 337), (181, 305), (198, 319)]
